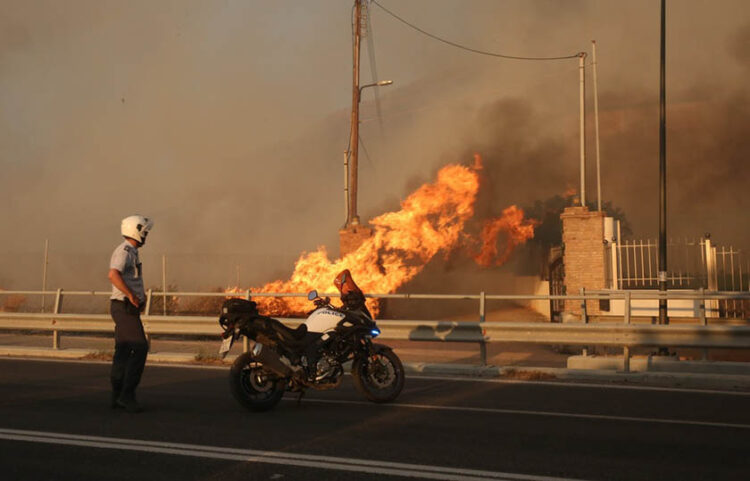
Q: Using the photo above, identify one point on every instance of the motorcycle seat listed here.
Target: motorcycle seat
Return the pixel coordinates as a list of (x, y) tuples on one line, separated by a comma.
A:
[(298, 337)]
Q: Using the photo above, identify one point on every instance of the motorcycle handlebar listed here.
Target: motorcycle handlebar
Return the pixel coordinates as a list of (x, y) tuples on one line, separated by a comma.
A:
[(322, 302)]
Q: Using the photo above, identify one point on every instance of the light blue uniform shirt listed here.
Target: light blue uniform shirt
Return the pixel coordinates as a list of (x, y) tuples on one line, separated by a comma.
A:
[(125, 259)]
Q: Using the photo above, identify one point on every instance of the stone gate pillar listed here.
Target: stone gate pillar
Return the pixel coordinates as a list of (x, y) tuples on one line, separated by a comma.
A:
[(584, 255)]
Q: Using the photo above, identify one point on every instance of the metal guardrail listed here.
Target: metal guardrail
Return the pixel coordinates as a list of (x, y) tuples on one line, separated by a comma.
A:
[(623, 334), (601, 334)]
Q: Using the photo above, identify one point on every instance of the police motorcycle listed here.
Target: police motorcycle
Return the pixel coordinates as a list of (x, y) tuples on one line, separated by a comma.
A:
[(313, 355)]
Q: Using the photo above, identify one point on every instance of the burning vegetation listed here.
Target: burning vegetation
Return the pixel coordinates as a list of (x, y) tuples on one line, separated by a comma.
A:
[(11, 302), (433, 220)]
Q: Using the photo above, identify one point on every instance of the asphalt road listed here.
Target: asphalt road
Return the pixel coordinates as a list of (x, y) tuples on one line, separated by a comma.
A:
[(56, 424)]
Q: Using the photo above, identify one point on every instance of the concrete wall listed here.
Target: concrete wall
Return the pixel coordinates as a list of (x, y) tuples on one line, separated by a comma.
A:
[(650, 307), (527, 285)]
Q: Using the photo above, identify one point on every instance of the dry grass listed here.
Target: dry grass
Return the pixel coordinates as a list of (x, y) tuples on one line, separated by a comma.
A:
[(208, 358), (157, 300), (12, 303), (202, 306), (527, 375), (187, 306)]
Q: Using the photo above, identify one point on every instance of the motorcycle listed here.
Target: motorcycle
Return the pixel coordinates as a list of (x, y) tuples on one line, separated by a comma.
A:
[(313, 355)]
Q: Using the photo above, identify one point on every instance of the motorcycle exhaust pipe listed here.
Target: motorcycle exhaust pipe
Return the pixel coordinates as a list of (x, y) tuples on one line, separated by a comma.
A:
[(271, 360)]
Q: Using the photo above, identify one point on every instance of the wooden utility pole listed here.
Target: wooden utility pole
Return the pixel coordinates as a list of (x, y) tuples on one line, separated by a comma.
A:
[(353, 218)]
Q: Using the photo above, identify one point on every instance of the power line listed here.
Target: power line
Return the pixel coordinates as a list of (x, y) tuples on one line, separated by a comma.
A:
[(540, 79), (367, 154), (373, 66), (463, 47)]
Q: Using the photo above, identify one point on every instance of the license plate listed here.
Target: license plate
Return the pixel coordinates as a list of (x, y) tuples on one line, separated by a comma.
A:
[(226, 345)]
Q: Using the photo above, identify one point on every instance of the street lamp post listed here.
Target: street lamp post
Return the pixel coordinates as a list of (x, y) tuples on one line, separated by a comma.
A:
[(596, 130), (663, 318), (352, 163), (582, 119)]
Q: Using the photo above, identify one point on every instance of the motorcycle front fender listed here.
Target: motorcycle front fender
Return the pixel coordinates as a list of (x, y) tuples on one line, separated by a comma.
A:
[(376, 348)]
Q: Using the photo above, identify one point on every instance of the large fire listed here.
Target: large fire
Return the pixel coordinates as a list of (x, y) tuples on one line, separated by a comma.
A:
[(431, 220)]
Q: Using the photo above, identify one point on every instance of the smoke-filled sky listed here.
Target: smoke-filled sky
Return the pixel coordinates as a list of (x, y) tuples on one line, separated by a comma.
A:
[(226, 121)]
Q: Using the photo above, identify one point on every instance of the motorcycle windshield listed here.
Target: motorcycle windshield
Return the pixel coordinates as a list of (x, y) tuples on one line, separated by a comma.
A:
[(345, 283)]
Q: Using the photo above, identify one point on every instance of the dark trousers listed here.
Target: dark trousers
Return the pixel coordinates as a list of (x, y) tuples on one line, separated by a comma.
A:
[(131, 349)]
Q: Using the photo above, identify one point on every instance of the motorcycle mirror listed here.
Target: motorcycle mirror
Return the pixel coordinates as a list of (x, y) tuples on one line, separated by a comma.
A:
[(312, 295)]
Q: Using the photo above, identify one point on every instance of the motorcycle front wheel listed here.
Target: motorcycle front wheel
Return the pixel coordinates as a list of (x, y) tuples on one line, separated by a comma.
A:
[(380, 377), (253, 386)]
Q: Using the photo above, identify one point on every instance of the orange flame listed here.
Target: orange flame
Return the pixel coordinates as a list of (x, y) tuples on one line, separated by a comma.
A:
[(516, 230), (431, 220)]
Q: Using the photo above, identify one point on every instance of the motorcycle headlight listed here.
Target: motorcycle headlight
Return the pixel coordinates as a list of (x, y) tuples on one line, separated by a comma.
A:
[(375, 332)]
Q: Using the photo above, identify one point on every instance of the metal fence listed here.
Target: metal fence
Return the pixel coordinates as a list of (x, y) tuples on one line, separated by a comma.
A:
[(693, 264), (628, 333)]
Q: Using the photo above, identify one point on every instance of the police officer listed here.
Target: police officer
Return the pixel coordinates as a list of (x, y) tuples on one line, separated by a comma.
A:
[(127, 301)]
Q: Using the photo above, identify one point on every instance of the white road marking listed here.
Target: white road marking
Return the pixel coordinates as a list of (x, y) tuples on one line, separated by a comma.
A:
[(564, 383), (271, 457), (603, 417)]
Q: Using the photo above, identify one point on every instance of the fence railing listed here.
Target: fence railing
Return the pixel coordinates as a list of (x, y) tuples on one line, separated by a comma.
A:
[(625, 334), (694, 263)]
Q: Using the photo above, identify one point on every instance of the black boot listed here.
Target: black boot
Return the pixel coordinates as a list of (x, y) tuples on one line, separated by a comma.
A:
[(128, 403), (116, 392)]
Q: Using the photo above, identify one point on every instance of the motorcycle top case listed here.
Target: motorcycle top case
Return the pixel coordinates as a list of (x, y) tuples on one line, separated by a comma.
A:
[(234, 310), (239, 306)]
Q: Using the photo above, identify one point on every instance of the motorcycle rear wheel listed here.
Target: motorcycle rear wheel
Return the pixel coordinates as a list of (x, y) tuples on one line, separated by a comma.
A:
[(253, 386), (380, 377)]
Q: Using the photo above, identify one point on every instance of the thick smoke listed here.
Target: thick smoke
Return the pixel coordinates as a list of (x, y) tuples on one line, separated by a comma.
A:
[(707, 152)]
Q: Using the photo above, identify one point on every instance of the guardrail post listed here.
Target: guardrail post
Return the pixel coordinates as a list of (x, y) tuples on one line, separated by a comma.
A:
[(702, 307), (584, 313), (245, 341), (483, 343), (56, 310), (704, 319), (584, 318), (626, 312), (626, 358), (147, 312)]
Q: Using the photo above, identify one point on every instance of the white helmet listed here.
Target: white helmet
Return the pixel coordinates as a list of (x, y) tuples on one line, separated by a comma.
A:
[(136, 227)]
